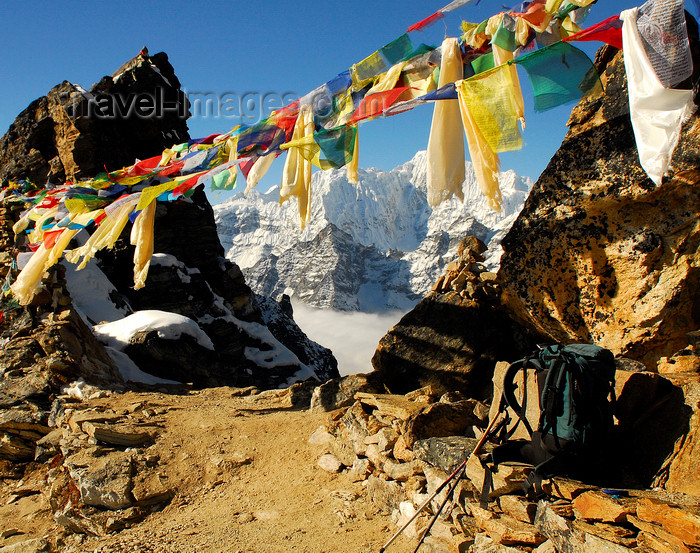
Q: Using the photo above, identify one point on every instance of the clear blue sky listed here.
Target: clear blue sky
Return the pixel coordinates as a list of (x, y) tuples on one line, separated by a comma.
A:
[(274, 47)]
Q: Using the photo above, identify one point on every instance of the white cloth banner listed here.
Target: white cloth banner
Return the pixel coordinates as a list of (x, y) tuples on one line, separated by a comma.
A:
[(456, 4), (657, 113)]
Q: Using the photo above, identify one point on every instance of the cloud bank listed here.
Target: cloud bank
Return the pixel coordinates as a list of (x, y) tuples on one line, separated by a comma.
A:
[(351, 335)]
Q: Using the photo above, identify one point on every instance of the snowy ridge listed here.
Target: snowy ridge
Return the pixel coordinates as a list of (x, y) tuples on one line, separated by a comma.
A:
[(372, 246)]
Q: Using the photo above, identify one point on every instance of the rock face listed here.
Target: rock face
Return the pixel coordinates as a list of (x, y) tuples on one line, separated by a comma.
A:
[(599, 254), (72, 133)]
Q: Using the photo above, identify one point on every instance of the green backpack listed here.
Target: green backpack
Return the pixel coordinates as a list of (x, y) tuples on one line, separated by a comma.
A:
[(576, 386)]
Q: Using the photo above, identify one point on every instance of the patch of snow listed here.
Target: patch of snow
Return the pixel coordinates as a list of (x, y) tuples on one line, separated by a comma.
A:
[(91, 289), (82, 391), (278, 355), (170, 326), (166, 260)]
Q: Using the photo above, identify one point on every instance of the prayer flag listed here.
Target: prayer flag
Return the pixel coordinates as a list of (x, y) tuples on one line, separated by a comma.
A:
[(426, 22), (608, 31), (493, 107), (370, 67), (376, 104), (559, 74), (397, 50), (457, 4)]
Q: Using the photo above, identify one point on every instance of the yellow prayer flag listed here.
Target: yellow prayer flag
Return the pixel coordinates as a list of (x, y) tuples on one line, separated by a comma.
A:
[(150, 193), (484, 159), (494, 108), (388, 80)]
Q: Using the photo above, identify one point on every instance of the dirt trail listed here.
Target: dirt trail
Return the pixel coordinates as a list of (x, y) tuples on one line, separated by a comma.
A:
[(245, 480)]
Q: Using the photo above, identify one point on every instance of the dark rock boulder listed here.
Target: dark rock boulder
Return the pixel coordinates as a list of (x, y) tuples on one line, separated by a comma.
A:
[(72, 133), (190, 276), (46, 347), (455, 335)]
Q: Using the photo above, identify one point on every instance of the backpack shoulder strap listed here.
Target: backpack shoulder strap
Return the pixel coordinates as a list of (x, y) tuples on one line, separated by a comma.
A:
[(509, 392)]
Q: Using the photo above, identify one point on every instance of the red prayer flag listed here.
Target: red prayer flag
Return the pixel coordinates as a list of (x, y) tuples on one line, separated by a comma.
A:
[(172, 169), (100, 218), (534, 14), (50, 238), (426, 22), (608, 31), (185, 185), (247, 165), (144, 167), (376, 104)]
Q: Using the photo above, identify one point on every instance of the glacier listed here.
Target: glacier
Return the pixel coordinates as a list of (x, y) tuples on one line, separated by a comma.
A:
[(373, 246)]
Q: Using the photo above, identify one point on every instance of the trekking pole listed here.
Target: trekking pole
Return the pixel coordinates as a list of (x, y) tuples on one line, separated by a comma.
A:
[(461, 466), (449, 494)]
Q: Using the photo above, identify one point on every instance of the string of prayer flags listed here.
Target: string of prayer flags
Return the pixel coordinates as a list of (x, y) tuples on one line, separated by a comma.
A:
[(321, 128), (559, 74)]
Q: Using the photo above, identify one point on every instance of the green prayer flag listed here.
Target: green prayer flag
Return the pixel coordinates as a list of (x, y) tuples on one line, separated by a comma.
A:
[(504, 38), (419, 51), (337, 144), (218, 181), (397, 50), (483, 63), (559, 74)]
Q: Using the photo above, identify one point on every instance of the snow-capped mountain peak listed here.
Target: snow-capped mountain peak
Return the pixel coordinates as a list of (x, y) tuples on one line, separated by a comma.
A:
[(369, 246)]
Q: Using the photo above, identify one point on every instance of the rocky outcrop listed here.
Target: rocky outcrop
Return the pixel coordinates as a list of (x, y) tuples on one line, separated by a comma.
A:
[(455, 335), (44, 348), (189, 276), (599, 254), (72, 133), (48, 345), (405, 446)]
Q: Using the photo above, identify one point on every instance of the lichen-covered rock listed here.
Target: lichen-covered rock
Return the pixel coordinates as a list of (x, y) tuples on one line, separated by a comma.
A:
[(599, 254)]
